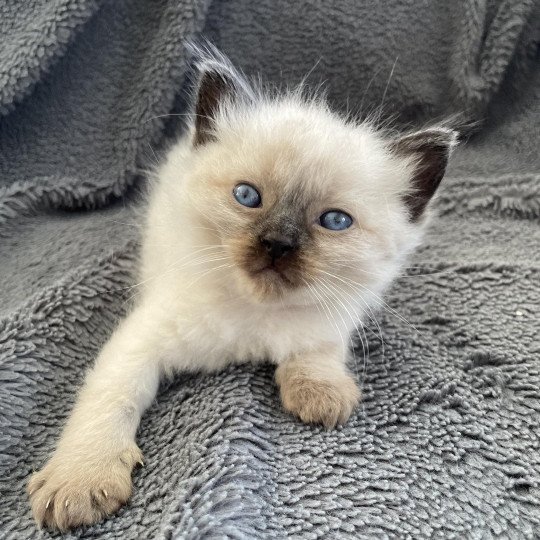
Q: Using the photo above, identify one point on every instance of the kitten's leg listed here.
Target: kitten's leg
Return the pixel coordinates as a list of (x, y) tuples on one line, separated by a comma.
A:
[(89, 474), (317, 387)]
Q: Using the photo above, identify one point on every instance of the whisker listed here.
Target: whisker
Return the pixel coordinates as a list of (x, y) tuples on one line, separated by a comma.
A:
[(200, 261), (169, 268), (354, 322), (366, 89), (356, 267), (208, 272), (332, 300), (330, 318), (382, 303)]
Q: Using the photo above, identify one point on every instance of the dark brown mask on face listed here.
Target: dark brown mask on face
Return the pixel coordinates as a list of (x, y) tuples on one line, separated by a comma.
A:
[(275, 250)]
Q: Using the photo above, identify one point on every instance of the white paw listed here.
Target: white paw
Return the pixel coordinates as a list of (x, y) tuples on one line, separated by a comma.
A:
[(77, 489)]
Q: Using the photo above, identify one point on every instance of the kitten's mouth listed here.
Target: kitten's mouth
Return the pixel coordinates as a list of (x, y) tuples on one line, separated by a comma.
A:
[(273, 272), (268, 277)]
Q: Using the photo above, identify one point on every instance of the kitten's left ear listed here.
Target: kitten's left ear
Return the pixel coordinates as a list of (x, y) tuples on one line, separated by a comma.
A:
[(429, 150)]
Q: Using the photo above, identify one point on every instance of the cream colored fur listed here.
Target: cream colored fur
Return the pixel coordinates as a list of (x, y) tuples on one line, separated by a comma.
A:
[(198, 310)]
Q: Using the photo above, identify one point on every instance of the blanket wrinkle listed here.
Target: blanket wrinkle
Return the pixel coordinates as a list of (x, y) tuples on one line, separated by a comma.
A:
[(487, 45)]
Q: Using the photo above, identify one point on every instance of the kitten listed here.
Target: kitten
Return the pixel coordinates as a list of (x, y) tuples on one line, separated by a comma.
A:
[(273, 227)]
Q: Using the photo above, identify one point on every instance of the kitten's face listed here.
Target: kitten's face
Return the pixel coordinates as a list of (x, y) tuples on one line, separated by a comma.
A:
[(304, 204), (301, 201)]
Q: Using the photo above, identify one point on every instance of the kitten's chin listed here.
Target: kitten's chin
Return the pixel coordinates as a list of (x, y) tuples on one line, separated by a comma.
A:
[(262, 279), (267, 286)]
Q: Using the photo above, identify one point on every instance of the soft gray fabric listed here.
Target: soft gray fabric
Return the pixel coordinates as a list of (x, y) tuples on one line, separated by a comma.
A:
[(446, 443)]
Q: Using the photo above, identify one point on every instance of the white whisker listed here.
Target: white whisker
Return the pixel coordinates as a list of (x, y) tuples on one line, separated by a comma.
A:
[(354, 323), (381, 302)]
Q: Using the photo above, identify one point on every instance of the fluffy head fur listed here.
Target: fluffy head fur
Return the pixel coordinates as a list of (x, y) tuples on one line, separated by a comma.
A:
[(304, 160)]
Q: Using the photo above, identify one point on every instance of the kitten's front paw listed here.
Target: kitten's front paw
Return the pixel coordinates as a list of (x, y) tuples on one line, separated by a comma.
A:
[(318, 401), (73, 489)]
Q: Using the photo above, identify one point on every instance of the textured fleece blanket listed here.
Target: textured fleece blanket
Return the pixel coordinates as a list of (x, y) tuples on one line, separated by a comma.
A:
[(446, 443)]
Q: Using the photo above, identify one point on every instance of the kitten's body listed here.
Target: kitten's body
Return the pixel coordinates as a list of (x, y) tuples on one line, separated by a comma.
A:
[(215, 291)]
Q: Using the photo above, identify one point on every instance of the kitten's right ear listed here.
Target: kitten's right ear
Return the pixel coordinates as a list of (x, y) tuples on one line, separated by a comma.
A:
[(215, 86), (430, 150)]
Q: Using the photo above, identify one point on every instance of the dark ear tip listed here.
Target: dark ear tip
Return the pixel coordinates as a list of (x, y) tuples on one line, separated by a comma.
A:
[(436, 138), (218, 85), (430, 149), (209, 74), (214, 85), (444, 137)]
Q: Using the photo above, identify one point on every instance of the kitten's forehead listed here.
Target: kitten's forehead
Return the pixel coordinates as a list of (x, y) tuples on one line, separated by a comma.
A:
[(299, 181), (302, 150), (308, 157)]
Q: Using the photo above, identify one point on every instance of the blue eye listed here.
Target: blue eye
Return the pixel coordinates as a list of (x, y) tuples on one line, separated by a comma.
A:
[(335, 220), (247, 195)]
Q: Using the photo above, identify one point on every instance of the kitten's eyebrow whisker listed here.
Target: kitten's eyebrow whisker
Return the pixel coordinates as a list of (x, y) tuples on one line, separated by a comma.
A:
[(386, 90), (306, 76), (366, 89)]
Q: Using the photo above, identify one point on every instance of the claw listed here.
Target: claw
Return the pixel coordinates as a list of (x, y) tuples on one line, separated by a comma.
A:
[(67, 504), (141, 462), (105, 493), (48, 502)]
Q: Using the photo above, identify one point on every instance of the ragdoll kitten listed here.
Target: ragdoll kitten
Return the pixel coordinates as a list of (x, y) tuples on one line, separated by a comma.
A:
[(273, 227)]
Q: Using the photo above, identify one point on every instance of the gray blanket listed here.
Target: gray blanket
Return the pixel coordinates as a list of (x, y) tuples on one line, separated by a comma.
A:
[(446, 443)]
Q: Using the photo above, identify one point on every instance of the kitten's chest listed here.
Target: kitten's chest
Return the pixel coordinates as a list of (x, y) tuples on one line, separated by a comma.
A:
[(236, 333)]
